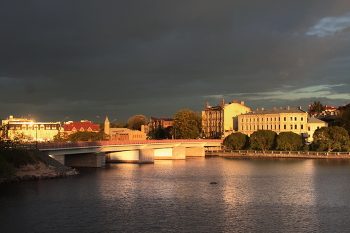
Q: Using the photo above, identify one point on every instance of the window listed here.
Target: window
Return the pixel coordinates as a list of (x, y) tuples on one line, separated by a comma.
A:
[(295, 127), (302, 119), (285, 126), (308, 128), (291, 118), (285, 118), (302, 127), (295, 118), (291, 126)]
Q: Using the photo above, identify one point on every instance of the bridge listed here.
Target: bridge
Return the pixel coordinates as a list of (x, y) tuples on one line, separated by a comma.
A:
[(95, 154)]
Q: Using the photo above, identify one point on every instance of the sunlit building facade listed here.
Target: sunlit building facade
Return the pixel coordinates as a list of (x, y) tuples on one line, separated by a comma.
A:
[(28, 130), (278, 120), (221, 120)]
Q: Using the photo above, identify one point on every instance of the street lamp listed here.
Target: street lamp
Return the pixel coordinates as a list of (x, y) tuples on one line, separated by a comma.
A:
[(63, 120)]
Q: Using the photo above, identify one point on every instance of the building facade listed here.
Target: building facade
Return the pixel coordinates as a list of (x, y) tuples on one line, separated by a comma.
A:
[(278, 120), (28, 130), (221, 120), (312, 125), (161, 123)]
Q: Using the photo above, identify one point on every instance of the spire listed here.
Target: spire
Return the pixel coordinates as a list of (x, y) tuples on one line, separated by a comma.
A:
[(107, 126)]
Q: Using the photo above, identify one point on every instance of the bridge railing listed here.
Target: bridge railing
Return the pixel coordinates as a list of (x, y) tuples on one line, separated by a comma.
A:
[(62, 145)]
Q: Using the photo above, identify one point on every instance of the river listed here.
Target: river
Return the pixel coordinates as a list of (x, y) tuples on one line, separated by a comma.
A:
[(210, 194)]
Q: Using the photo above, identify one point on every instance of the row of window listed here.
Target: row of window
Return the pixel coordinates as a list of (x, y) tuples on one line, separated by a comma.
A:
[(272, 119), (271, 127), (35, 127)]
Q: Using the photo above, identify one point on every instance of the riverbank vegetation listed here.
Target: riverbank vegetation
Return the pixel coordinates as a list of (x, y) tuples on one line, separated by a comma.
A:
[(328, 139), (13, 157)]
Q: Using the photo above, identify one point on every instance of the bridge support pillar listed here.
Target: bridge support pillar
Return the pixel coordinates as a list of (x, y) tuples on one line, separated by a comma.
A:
[(146, 156), (195, 151), (85, 160), (179, 152)]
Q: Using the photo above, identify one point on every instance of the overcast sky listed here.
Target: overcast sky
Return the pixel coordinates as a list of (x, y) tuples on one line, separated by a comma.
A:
[(92, 59)]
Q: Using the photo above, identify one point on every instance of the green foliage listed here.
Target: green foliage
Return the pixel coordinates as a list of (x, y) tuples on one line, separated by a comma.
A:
[(332, 138), (12, 157), (262, 139), (60, 137), (289, 141), (187, 125), (306, 148), (343, 119), (87, 136), (113, 125), (317, 106), (136, 122), (7, 170), (235, 141), (160, 133)]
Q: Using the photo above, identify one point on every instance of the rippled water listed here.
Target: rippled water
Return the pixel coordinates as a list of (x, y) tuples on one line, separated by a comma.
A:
[(250, 195)]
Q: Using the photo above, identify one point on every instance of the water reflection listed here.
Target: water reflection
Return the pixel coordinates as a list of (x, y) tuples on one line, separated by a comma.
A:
[(249, 195)]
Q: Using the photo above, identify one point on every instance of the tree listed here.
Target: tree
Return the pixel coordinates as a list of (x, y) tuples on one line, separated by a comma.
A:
[(317, 106), (330, 139), (136, 121), (60, 137), (87, 136), (343, 119), (187, 125), (113, 125), (235, 141), (262, 139), (289, 141)]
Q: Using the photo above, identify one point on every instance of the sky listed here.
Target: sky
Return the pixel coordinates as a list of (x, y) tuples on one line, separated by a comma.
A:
[(77, 60)]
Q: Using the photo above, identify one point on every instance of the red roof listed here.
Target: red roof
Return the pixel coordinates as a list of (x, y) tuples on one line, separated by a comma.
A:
[(81, 126)]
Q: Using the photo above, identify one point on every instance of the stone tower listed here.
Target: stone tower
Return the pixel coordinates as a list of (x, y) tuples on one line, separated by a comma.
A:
[(107, 126)]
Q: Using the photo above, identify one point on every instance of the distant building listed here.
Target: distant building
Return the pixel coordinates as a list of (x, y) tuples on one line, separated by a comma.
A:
[(312, 125), (71, 127), (29, 130), (161, 123), (221, 120), (278, 120), (123, 134)]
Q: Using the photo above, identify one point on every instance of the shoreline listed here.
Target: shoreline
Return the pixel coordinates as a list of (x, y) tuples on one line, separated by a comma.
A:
[(46, 168), (280, 154)]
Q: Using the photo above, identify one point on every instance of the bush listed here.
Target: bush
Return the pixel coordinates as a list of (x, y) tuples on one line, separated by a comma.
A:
[(7, 170)]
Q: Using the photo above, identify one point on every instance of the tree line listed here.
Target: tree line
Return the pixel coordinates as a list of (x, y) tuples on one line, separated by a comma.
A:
[(328, 139)]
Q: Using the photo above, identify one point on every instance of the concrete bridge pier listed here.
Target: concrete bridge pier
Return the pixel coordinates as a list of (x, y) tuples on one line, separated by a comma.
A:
[(146, 156), (195, 152), (85, 160)]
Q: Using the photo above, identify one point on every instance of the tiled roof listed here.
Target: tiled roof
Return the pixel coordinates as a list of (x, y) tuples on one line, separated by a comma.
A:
[(79, 125), (314, 120), (275, 111)]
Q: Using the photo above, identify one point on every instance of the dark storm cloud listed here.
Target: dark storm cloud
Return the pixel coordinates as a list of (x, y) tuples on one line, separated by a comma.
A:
[(84, 59)]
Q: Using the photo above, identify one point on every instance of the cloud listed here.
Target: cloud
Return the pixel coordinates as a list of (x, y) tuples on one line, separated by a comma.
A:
[(330, 25)]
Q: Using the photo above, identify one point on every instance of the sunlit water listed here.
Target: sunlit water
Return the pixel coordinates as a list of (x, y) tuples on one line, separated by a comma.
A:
[(250, 195)]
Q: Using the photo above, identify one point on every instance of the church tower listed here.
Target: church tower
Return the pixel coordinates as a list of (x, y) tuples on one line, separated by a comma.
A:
[(107, 126)]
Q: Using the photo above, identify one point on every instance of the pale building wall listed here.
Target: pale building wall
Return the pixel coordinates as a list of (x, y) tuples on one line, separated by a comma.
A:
[(293, 121), (231, 111), (222, 118), (312, 127)]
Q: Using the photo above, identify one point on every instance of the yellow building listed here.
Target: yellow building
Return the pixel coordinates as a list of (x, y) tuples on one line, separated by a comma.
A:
[(29, 130), (221, 120), (312, 125), (278, 120)]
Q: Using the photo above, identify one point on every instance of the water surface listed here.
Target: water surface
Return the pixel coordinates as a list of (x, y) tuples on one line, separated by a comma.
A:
[(250, 195)]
